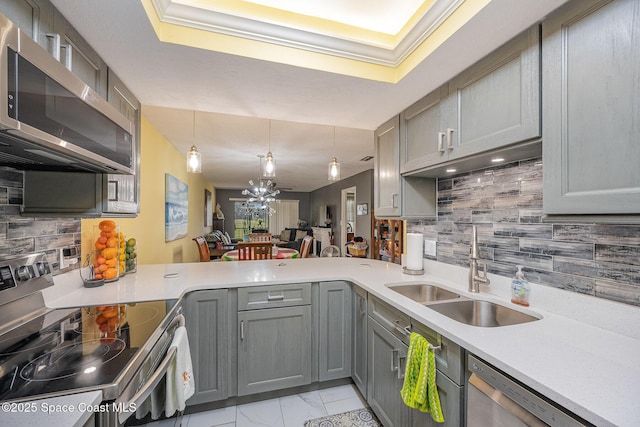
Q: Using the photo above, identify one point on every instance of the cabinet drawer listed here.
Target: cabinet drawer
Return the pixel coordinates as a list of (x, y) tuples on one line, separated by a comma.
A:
[(450, 356), (390, 318), (258, 297)]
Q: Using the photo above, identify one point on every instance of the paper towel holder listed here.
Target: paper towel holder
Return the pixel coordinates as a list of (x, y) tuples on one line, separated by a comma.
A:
[(412, 272)]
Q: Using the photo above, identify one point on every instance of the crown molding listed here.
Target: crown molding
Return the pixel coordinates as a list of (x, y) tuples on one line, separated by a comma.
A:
[(360, 45)]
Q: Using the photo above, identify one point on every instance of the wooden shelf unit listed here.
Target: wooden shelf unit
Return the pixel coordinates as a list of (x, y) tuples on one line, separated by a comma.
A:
[(387, 240)]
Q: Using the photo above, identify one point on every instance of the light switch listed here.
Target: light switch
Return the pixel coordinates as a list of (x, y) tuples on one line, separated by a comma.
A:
[(430, 247)]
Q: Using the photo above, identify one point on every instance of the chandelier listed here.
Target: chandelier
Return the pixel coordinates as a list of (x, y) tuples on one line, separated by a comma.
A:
[(262, 192)]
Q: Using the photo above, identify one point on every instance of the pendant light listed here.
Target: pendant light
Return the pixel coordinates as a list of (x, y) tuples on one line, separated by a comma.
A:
[(194, 158), (269, 164), (334, 166)]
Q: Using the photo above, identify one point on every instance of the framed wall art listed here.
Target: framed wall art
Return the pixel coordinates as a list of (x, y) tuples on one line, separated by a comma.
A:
[(362, 208), (208, 209), (176, 208)]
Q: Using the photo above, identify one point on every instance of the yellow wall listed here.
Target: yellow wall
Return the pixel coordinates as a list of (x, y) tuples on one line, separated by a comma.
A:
[(159, 157)]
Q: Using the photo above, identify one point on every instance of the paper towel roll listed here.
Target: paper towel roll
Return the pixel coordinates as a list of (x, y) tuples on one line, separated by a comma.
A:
[(414, 251)]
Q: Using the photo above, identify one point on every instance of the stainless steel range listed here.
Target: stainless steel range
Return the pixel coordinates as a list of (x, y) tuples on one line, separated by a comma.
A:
[(121, 350)]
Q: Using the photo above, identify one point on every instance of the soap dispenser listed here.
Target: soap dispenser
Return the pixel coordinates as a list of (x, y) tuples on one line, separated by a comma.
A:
[(520, 289)]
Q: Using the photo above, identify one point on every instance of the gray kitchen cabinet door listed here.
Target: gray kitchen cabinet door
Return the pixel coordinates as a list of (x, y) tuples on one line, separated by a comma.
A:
[(385, 370), (591, 114), (387, 196), (423, 132), (79, 57), (496, 102), (123, 191), (33, 17), (334, 331), (206, 321), (451, 401), (274, 349), (359, 340)]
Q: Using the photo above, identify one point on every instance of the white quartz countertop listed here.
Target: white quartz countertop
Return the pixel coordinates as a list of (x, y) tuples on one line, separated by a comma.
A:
[(67, 411), (583, 354)]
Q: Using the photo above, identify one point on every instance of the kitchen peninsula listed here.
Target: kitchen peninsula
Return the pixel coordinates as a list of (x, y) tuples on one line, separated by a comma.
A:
[(581, 354)]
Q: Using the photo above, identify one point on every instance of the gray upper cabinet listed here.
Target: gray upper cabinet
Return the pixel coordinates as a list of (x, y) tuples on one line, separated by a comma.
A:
[(496, 102), (34, 17), (394, 195), (493, 105), (423, 137), (591, 114), (79, 57), (387, 169), (334, 331), (123, 191), (206, 322)]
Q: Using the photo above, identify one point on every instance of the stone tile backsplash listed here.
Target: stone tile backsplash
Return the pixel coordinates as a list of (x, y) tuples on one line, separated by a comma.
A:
[(505, 203), (23, 235)]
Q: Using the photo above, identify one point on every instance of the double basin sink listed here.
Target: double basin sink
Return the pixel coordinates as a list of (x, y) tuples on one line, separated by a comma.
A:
[(468, 311)]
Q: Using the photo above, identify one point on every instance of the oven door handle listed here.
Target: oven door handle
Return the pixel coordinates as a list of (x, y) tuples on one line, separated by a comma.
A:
[(138, 399)]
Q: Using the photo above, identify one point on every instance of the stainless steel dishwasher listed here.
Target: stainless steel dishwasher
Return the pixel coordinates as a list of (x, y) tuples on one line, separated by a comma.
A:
[(495, 399)]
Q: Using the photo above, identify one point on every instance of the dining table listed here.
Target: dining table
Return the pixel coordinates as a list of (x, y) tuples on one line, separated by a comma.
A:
[(280, 253)]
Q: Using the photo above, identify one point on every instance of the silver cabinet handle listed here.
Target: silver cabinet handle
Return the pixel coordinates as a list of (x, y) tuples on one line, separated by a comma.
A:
[(394, 200), (54, 45), (394, 358), (441, 136), (275, 297), (400, 368), (67, 58), (241, 330), (450, 138)]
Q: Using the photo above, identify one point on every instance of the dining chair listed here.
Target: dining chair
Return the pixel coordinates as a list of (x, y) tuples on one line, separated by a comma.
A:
[(305, 246), (203, 248), (254, 250), (259, 237)]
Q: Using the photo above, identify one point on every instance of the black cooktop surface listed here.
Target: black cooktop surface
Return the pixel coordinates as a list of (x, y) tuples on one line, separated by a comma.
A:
[(83, 348)]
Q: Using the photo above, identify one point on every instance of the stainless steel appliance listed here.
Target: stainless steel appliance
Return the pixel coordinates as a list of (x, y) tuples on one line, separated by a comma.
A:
[(497, 400), (121, 350), (52, 120)]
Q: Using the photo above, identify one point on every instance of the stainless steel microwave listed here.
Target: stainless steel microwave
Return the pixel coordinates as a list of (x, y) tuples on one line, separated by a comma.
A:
[(50, 119)]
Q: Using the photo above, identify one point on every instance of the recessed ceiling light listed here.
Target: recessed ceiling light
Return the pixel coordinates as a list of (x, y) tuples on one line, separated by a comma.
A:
[(497, 160), (451, 170)]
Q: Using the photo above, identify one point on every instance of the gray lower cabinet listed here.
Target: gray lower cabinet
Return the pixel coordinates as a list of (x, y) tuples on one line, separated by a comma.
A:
[(384, 376), (274, 349), (206, 319), (591, 114), (359, 339), (388, 332), (334, 331)]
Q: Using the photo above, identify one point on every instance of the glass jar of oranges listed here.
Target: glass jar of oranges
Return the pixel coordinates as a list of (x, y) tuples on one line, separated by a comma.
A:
[(107, 264)]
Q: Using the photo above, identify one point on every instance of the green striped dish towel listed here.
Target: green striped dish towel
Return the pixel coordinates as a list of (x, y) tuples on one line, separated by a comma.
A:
[(419, 389)]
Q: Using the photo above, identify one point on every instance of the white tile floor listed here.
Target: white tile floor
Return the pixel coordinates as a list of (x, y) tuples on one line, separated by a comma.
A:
[(288, 411)]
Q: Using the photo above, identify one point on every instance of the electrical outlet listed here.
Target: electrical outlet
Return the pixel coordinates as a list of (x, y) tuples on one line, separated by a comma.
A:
[(430, 247)]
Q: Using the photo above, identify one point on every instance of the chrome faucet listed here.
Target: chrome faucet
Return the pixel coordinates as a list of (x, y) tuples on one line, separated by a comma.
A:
[(474, 277)]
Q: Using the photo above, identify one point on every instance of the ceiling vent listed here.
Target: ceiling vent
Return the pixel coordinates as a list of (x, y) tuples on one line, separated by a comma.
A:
[(366, 158)]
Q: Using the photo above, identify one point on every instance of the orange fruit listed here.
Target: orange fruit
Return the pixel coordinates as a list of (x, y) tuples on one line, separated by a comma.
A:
[(110, 273)]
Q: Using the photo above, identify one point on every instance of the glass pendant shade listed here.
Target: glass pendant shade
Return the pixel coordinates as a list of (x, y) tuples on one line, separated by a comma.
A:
[(269, 166), (194, 160), (334, 170)]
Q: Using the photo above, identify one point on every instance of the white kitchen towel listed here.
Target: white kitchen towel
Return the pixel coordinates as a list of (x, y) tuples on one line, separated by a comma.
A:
[(154, 403), (180, 382)]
